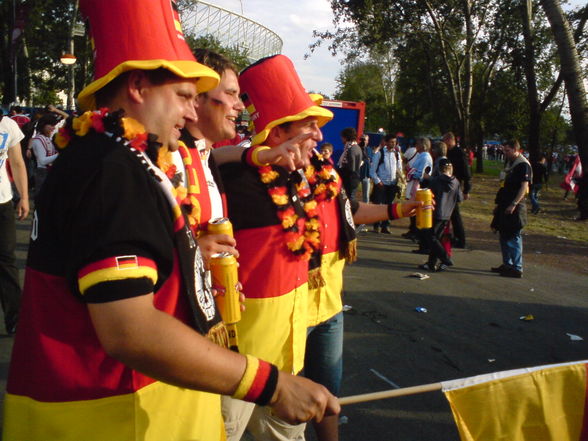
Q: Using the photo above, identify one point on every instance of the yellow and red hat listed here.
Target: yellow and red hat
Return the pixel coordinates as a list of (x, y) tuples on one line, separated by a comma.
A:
[(130, 34), (273, 94)]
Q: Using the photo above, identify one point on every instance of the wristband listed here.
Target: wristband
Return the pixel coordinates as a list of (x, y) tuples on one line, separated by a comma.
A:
[(258, 383), (395, 211), (251, 155)]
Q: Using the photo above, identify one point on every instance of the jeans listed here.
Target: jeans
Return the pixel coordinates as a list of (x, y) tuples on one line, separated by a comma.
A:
[(323, 362), (535, 189), (365, 189), (512, 251), (384, 194), (9, 284)]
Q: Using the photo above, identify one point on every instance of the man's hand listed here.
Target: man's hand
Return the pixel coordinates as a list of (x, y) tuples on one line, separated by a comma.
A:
[(510, 209), (409, 208), (211, 244), (22, 209), (466, 196), (292, 154), (297, 400)]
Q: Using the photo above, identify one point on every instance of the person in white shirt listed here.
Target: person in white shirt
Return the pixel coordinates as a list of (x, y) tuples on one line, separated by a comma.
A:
[(43, 149), (10, 137)]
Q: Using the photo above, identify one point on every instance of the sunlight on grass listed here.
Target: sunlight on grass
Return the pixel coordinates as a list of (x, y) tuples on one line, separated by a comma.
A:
[(555, 219)]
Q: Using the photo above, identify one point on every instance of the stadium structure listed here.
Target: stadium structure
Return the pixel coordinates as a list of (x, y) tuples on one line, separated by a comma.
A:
[(230, 29)]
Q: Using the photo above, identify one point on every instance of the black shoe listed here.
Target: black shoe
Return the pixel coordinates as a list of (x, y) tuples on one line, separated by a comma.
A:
[(498, 269), (448, 262), (376, 230), (385, 231), (409, 235), (511, 272), (419, 251), (442, 267)]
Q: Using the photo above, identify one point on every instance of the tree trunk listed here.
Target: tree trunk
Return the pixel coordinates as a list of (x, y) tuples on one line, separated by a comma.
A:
[(532, 95), (572, 75)]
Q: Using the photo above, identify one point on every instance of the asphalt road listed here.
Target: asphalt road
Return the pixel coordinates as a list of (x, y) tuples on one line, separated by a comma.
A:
[(472, 327)]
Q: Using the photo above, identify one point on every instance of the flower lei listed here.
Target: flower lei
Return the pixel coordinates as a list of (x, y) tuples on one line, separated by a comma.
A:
[(102, 121), (318, 183)]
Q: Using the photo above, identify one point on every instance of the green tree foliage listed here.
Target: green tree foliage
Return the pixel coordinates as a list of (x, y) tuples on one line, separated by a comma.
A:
[(39, 71), (236, 54)]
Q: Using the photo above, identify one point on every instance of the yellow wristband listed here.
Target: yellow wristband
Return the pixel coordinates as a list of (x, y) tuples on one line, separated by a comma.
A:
[(248, 377), (255, 153)]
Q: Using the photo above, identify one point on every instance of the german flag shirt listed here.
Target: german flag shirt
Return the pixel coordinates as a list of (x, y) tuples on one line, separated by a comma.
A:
[(102, 231)]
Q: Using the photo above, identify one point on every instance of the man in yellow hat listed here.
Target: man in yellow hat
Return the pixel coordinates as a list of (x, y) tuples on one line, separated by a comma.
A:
[(118, 329)]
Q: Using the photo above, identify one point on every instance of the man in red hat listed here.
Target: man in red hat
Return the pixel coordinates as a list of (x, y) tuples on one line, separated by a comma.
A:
[(118, 329), (293, 230)]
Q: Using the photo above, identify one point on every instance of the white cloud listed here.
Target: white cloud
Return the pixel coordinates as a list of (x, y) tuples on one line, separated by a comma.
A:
[(294, 22)]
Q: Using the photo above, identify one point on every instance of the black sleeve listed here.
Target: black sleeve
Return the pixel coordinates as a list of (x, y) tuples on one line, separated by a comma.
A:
[(122, 225)]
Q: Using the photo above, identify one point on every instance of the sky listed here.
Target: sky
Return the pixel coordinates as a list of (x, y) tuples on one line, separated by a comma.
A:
[(294, 22)]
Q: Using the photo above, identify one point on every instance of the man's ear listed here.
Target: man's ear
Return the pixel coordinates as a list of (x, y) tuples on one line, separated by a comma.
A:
[(275, 136), (137, 82)]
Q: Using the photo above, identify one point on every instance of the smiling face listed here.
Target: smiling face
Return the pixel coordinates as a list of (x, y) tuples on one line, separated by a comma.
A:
[(167, 107), (295, 128), (219, 108)]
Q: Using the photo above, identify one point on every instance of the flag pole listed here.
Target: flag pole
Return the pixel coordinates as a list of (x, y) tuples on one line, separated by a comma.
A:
[(390, 393)]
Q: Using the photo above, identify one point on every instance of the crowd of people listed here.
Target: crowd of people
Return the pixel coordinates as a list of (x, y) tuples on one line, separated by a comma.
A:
[(118, 334)]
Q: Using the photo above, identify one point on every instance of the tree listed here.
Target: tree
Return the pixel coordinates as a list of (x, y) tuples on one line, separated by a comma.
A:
[(238, 55), (573, 78)]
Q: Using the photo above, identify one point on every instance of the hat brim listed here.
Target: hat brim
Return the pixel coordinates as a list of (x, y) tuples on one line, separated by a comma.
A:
[(206, 78), (322, 115)]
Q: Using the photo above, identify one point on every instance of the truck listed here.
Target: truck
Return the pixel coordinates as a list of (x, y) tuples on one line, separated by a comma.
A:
[(346, 114)]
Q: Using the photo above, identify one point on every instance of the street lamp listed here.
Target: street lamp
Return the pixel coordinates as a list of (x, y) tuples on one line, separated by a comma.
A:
[(69, 59)]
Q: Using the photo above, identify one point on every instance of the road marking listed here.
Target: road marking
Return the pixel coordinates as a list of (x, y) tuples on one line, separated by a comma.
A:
[(390, 382)]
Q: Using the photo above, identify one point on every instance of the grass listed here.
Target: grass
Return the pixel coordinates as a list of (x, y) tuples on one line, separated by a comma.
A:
[(556, 218)]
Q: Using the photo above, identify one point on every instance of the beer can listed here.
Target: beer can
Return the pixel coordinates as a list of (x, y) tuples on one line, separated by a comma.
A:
[(220, 225), (424, 214), (223, 268)]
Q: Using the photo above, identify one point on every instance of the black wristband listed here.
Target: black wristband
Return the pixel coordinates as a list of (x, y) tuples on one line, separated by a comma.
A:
[(269, 388)]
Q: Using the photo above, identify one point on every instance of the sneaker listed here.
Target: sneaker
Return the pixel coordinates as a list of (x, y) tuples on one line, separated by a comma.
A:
[(442, 267), (426, 266), (385, 231), (448, 262), (498, 269), (511, 272)]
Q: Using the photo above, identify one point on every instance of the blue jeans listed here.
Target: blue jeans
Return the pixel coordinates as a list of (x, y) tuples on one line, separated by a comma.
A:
[(512, 251), (535, 189), (365, 189), (323, 362)]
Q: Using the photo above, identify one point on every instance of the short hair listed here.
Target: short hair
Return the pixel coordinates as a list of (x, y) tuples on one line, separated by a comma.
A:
[(17, 109), (327, 145), (425, 142), (217, 62), (389, 136), (349, 134), (155, 76), (449, 135), (440, 148), (513, 144)]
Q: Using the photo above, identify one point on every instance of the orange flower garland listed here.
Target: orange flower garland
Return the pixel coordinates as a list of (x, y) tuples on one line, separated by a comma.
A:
[(318, 183)]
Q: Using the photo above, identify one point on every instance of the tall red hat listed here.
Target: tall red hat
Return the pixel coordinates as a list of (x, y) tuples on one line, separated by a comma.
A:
[(145, 34), (273, 94)]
